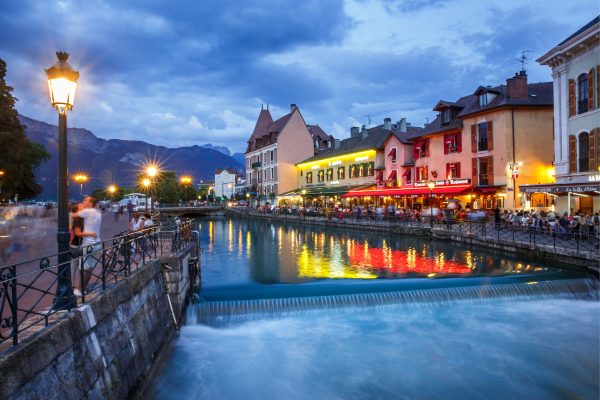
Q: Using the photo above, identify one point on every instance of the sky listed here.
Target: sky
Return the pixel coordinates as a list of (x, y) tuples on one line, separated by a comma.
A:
[(180, 73)]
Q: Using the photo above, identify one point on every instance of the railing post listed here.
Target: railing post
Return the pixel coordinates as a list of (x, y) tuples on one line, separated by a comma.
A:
[(103, 267), (12, 275), (127, 258)]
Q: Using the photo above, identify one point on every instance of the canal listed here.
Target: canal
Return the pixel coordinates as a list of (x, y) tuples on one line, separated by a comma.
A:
[(290, 312)]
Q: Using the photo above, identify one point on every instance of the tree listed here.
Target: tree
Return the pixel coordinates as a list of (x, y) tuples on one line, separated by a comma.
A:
[(166, 187), (187, 192), (19, 158)]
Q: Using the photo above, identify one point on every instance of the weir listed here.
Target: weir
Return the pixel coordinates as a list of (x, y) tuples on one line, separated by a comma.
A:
[(583, 288)]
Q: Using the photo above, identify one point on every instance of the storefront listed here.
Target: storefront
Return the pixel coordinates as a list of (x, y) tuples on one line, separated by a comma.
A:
[(316, 196), (583, 197)]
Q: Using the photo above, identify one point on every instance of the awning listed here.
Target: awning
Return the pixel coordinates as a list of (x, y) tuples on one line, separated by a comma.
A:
[(380, 175), (392, 176), (323, 190), (411, 191), (406, 173), (392, 153)]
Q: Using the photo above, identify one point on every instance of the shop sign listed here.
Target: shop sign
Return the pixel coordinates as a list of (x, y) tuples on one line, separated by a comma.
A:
[(336, 162), (562, 189), (314, 185), (334, 182), (594, 178), (447, 182)]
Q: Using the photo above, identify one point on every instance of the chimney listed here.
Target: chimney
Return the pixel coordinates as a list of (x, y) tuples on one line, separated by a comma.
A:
[(387, 123), (293, 107), (516, 87), (364, 131), (337, 143), (354, 131), (402, 125)]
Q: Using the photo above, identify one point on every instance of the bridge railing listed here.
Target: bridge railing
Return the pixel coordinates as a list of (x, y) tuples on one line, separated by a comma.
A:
[(28, 290)]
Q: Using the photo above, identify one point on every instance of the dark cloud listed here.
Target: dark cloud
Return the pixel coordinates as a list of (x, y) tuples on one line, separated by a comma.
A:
[(409, 6)]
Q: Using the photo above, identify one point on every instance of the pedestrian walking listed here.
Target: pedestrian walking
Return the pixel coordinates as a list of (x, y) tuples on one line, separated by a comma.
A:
[(130, 209), (92, 222)]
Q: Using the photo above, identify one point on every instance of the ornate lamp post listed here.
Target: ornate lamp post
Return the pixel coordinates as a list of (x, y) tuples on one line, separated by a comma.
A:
[(62, 84), (431, 185), (514, 171), (80, 179)]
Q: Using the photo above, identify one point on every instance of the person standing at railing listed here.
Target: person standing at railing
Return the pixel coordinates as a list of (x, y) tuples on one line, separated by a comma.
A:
[(77, 229), (136, 223), (91, 243)]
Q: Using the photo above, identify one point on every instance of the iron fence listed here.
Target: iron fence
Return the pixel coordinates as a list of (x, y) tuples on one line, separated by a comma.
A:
[(28, 290)]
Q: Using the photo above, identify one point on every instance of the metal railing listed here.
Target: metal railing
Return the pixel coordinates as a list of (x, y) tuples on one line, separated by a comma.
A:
[(28, 290), (585, 239)]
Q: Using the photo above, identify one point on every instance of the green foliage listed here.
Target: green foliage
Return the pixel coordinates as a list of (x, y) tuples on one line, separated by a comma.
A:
[(19, 158), (187, 192), (104, 194)]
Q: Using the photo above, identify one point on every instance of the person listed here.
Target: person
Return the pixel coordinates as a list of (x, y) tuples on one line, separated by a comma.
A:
[(147, 220), (77, 228), (116, 209), (130, 209), (92, 221), (497, 218), (136, 222)]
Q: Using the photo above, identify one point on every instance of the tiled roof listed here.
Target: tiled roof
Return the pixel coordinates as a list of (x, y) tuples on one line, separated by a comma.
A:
[(584, 28), (374, 139), (265, 126), (539, 94), (230, 170)]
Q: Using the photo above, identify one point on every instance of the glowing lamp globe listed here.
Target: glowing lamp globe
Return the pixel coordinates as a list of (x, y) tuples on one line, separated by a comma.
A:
[(62, 83)]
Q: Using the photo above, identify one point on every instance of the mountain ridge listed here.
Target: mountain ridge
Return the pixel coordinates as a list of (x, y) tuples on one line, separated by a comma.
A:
[(118, 161)]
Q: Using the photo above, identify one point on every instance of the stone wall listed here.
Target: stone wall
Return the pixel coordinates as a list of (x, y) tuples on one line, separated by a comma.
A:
[(103, 349)]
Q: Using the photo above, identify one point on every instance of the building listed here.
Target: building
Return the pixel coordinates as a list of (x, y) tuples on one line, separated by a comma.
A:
[(275, 147), (240, 187), (576, 73), (225, 181), (352, 164)]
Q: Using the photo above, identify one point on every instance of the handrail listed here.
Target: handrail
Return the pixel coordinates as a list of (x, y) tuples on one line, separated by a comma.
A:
[(27, 289)]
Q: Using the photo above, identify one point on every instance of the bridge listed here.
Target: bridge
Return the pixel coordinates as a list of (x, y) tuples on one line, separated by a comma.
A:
[(176, 210)]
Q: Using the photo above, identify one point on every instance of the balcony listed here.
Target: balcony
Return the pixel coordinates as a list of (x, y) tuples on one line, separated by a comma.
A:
[(256, 165)]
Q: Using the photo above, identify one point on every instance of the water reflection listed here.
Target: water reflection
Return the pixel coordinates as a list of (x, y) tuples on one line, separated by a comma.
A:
[(266, 253)]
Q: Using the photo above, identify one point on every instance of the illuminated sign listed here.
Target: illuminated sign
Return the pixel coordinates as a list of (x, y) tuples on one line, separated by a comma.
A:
[(447, 182), (334, 182), (336, 162), (315, 167), (594, 178), (363, 158), (344, 157)]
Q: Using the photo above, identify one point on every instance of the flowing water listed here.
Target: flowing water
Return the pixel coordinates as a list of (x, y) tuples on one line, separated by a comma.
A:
[(296, 313)]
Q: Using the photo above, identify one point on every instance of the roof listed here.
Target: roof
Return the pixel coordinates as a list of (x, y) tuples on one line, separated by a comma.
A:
[(317, 132), (581, 30), (374, 139), (265, 127), (230, 170), (539, 95)]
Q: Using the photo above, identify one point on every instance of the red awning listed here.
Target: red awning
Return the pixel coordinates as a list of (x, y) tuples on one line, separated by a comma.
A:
[(392, 176), (380, 175), (411, 191), (406, 173), (392, 153)]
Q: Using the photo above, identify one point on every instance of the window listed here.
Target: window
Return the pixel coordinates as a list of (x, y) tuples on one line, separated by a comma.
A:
[(341, 173), (452, 143), (453, 170), (483, 171), (309, 177), (500, 202), (584, 152), (370, 168), (321, 176), (482, 137), (362, 170), (329, 174), (483, 100), (392, 155), (421, 174), (582, 91), (408, 176), (272, 156), (446, 116), (421, 149), (353, 171)]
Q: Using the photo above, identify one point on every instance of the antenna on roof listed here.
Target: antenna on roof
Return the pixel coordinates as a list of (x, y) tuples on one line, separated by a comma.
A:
[(262, 105), (523, 59), (369, 120), (267, 106)]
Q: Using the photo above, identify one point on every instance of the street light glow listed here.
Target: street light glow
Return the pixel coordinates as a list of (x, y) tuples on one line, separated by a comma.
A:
[(146, 182), (185, 180), (431, 185), (81, 178), (62, 83), (152, 171), (112, 189)]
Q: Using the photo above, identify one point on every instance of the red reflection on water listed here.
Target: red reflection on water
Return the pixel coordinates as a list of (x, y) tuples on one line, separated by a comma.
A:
[(403, 262)]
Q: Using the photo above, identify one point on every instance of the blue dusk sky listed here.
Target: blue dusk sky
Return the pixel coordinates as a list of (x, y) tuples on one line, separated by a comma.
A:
[(179, 73)]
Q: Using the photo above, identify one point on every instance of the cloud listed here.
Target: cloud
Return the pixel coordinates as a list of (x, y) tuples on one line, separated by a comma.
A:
[(195, 72)]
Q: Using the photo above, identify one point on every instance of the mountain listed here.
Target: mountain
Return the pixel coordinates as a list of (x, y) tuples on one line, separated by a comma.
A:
[(239, 157), (117, 161), (220, 149)]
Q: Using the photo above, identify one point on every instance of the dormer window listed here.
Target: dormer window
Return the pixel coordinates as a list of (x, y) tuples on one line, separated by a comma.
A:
[(446, 116), (483, 99)]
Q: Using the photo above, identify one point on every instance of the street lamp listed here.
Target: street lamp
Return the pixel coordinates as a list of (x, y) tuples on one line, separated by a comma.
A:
[(112, 189), (514, 171), (146, 182), (431, 185), (185, 180), (151, 171), (62, 85), (80, 179), (1, 176)]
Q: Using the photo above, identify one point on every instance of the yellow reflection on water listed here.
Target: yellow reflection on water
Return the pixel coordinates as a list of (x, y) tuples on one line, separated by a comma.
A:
[(411, 258), (313, 264), (210, 235), (440, 261), (240, 241), (230, 236), (248, 243)]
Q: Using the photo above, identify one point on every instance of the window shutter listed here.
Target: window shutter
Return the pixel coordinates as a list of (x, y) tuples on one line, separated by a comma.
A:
[(446, 139), (597, 86), (572, 153), (490, 129), (490, 170), (474, 164), (593, 145), (458, 170), (459, 142), (426, 172), (447, 170), (571, 97), (597, 146), (474, 138), (415, 150), (591, 91)]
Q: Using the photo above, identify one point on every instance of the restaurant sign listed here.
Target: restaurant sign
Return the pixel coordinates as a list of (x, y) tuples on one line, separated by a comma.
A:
[(447, 182), (561, 189)]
